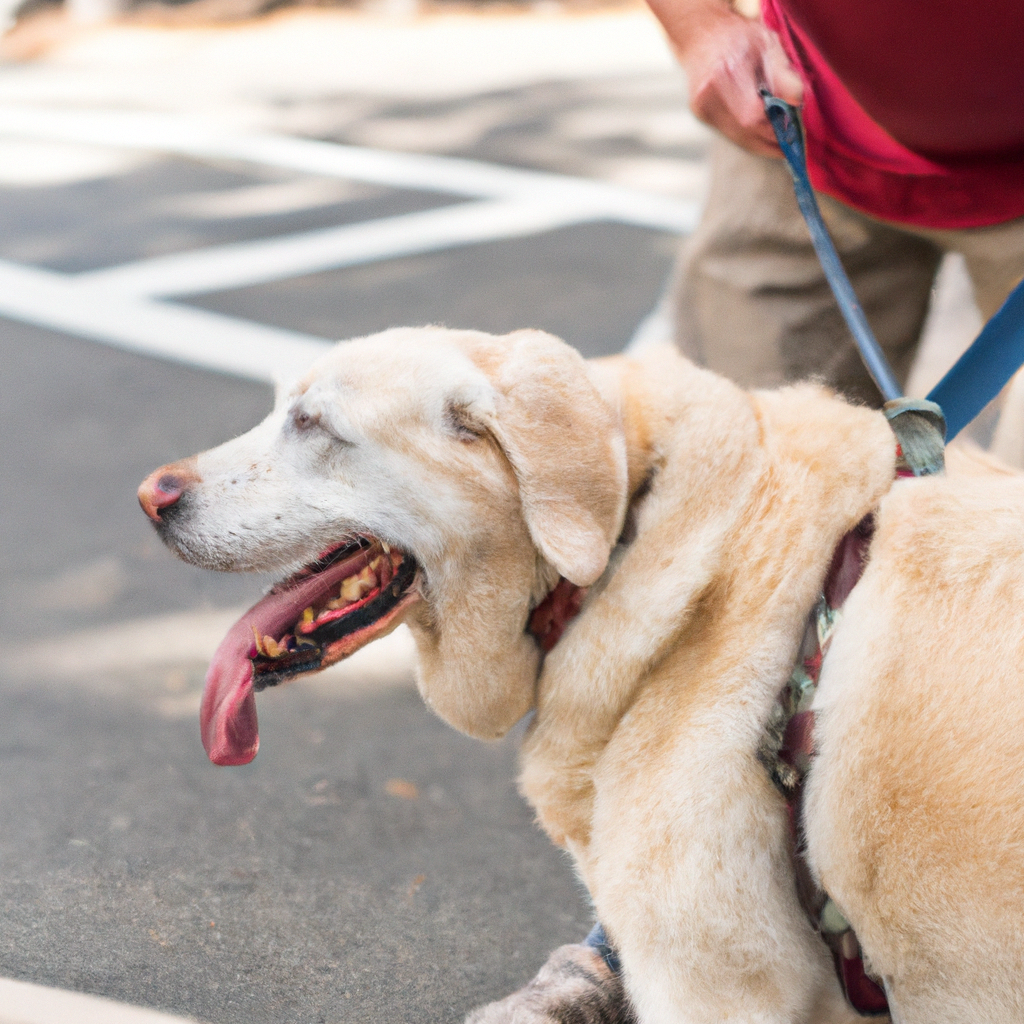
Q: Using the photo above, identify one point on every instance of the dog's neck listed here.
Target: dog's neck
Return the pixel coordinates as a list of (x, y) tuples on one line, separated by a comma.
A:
[(749, 495), (549, 620), (621, 382)]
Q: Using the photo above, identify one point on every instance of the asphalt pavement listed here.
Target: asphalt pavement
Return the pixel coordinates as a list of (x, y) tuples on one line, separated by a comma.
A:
[(371, 864)]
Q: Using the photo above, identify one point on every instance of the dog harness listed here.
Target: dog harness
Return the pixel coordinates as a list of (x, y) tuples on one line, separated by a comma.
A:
[(787, 749), (787, 746), (549, 619)]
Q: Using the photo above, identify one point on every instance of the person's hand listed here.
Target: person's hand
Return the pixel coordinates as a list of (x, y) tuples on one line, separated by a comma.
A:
[(727, 59)]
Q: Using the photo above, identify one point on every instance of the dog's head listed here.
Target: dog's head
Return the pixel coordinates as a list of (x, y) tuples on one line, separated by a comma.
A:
[(442, 478)]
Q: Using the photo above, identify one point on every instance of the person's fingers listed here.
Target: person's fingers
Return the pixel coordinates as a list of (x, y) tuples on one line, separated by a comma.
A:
[(734, 106), (757, 137), (779, 75), (726, 74)]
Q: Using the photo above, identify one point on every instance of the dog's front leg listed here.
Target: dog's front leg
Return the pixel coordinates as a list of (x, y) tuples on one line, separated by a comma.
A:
[(690, 873)]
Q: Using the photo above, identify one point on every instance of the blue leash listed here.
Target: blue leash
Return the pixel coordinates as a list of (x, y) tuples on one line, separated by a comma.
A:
[(978, 375), (786, 122)]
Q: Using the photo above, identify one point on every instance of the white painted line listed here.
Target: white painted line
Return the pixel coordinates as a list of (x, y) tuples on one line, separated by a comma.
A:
[(180, 333), (242, 264), (166, 133), (114, 306), (23, 1003)]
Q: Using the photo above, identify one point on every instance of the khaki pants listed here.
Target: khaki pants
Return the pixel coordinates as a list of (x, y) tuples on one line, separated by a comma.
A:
[(751, 300)]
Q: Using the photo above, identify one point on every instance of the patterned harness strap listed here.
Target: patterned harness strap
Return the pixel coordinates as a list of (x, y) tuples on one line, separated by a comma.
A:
[(787, 750), (787, 747)]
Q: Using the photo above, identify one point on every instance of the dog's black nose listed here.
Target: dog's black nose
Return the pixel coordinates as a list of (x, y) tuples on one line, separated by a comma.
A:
[(163, 488)]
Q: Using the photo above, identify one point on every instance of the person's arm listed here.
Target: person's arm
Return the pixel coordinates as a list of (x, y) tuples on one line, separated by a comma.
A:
[(727, 58)]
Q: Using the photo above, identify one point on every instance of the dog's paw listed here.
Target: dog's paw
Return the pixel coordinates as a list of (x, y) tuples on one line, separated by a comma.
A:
[(574, 986)]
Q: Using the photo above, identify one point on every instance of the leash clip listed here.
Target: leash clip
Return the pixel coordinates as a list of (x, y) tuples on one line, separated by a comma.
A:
[(920, 429)]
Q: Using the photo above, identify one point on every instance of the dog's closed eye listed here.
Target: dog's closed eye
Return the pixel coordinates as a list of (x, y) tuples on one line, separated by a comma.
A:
[(303, 421), (459, 420)]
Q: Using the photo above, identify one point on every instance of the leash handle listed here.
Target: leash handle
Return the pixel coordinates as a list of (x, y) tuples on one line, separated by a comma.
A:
[(785, 120)]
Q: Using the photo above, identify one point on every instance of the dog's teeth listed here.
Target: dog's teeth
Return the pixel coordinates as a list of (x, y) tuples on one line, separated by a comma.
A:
[(267, 646), (259, 641), (272, 648), (387, 547), (375, 564), (355, 587), (307, 614)]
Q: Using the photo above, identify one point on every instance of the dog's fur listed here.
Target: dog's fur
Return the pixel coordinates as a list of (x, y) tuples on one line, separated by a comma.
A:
[(703, 518)]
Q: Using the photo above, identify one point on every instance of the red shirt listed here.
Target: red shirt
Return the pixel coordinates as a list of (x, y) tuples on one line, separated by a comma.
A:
[(913, 109)]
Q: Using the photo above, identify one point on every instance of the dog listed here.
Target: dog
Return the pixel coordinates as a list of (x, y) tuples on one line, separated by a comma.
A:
[(673, 532)]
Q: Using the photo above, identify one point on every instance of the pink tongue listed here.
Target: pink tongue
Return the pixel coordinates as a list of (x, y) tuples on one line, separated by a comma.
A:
[(228, 716), (227, 719)]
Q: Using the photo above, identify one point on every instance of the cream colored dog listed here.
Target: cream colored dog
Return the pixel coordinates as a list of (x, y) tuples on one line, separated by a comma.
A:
[(449, 479)]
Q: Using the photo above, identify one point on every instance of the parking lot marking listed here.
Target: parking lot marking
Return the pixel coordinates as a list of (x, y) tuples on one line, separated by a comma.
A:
[(183, 136), (120, 306), (241, 264), (165, 330)]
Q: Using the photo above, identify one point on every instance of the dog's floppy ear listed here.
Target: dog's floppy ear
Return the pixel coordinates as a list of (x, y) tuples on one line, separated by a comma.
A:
[(566, 448)]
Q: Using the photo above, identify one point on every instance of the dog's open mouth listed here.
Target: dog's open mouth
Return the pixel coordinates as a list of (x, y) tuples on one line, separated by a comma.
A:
[(326, 611)]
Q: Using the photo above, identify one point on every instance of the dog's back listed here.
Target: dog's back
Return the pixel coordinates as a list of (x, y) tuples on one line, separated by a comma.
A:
[(915, 809)]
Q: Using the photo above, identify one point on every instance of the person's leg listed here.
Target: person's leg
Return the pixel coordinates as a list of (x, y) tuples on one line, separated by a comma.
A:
[(752, 302), (994, 258), (995, 262)]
